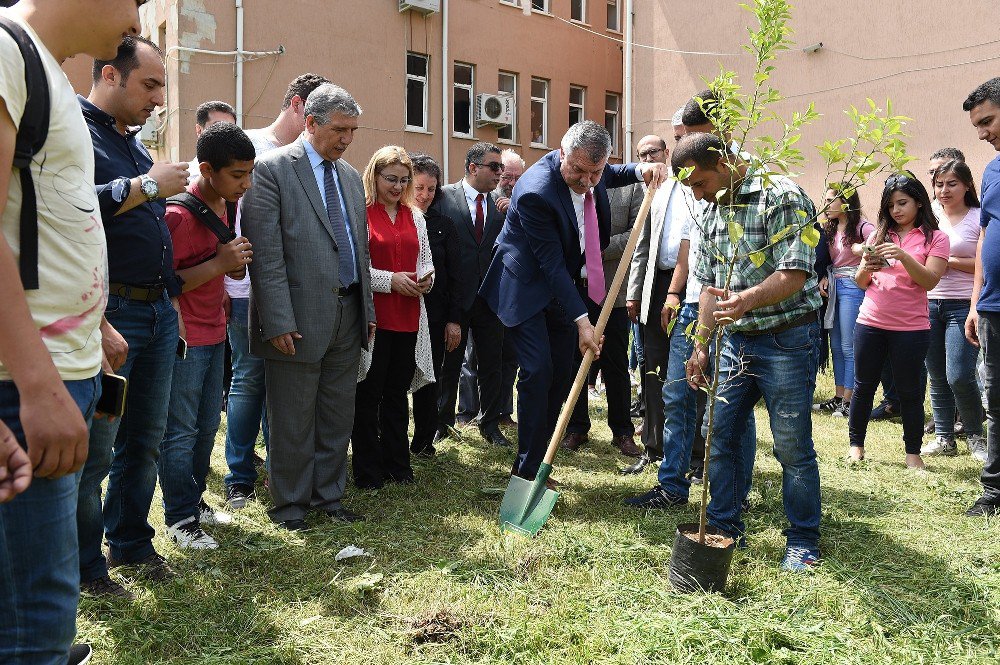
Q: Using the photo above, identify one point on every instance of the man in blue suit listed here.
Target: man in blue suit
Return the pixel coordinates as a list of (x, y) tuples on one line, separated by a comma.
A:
[(558, 221)]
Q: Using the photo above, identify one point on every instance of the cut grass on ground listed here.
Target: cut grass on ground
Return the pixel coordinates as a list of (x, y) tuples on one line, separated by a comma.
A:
[(906, 578)]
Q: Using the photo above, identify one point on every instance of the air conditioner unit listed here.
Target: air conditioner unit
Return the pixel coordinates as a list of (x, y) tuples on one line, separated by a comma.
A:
[(494, 109), (420, 6), (148, 134)]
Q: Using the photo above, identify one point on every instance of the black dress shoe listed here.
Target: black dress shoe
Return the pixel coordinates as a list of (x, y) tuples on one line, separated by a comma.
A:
[(496, 437), (640, 465), (441, 435), (344, 515), (423, 451), (656, 498), (294, 525)]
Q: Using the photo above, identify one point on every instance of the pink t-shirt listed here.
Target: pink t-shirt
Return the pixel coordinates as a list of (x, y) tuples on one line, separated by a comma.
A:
[(840, 251), (963, 237), (893, 301)]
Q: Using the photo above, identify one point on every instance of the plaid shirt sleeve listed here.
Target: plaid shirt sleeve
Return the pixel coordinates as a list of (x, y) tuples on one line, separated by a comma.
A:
[(790, 207)]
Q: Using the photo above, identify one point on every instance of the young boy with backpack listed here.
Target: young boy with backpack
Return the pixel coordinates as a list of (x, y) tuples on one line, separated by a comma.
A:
[(205, 249)]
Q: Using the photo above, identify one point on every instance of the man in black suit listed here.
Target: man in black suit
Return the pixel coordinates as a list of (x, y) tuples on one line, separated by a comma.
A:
[(469, 204)]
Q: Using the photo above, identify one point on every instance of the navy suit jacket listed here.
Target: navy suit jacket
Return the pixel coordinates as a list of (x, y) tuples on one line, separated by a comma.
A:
[(537, 254)]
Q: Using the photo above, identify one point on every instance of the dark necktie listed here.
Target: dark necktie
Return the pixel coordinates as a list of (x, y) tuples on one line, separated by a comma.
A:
[(346, 262), (479, 218)]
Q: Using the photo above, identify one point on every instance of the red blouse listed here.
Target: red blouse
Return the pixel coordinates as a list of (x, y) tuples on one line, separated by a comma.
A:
[(394, 247)]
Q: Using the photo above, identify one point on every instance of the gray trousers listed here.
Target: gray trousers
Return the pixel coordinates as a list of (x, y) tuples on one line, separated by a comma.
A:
[(310, 410)]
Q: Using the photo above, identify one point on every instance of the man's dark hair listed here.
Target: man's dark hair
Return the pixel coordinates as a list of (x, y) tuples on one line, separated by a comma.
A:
[(702, 149), (478, 152), (201, 115), (224, 143), (423, 163), (693, 115), (989, 91), (302, 86), (949, 153), (126, 60)]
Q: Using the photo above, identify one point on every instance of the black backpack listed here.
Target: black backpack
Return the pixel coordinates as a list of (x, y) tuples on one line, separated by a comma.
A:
[(31, 136), (207, 216)]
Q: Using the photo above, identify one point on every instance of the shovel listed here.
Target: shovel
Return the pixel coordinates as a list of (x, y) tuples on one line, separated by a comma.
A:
[(527, 504)]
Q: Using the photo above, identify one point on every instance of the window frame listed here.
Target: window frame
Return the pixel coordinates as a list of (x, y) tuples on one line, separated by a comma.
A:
[(426, 96), (618, 15), (583, 11), (513, 123), (617, 113), (544, 101), (471, 87), (582, 106)]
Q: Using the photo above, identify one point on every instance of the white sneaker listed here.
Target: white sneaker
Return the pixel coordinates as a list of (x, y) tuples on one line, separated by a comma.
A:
[(188, 535), (211, 516), (977, 446), (941, 445)]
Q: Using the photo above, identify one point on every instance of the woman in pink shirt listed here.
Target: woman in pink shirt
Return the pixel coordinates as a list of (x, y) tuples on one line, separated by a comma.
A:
[(903, 260), (951, 359), (845, 231)]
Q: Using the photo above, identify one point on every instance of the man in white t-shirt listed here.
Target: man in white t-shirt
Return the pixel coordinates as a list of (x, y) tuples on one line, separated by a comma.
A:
[(245, 414), (50, 338)]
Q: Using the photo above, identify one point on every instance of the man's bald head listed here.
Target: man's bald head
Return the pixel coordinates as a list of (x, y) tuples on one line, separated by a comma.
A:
[(652, 149)]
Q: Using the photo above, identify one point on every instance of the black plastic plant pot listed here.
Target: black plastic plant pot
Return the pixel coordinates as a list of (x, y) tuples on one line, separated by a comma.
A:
[(695, 567)]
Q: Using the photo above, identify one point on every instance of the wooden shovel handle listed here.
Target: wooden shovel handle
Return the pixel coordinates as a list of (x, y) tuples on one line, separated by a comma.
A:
[(602, 321)]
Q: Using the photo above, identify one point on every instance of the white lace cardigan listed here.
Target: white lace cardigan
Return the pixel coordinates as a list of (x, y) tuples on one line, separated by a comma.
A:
[(382, 283)]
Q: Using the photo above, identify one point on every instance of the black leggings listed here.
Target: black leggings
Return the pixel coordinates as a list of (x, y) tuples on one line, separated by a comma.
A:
[(906, 350)]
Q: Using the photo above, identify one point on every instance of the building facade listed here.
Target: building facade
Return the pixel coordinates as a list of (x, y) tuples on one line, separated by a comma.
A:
[(418, 75)]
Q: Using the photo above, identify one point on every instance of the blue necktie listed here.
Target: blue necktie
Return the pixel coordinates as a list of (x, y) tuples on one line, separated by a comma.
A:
[(347, 261)]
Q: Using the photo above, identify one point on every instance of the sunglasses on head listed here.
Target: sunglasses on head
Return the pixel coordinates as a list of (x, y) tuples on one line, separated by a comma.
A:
[(898, 180), (496, 167)]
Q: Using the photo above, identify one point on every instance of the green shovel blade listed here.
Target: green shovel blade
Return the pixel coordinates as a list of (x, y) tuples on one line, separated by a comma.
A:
[(527, 504)]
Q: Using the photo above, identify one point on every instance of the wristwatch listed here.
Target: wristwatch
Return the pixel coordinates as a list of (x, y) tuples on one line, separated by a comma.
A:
[(149, 187)]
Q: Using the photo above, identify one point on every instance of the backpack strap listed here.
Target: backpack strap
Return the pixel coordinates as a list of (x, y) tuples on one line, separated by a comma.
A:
[(206, 215), (32, 133)]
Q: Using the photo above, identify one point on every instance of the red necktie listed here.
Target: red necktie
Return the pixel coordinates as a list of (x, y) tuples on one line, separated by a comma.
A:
[(479, 218), (592, 251)]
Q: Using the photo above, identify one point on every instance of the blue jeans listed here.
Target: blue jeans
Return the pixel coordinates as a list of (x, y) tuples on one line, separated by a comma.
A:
[(680, 416), (192, 423), (245, 412), (781, 368), (635, 355), (849, 297), (39, 564), (951, 368), (129, 446)]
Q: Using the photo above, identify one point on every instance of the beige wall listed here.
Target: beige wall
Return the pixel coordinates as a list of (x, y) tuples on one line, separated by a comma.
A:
[(864, 29), (362, 45)]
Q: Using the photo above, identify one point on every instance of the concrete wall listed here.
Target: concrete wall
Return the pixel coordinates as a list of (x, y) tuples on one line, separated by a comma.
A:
[(870, 49), (362, 45)]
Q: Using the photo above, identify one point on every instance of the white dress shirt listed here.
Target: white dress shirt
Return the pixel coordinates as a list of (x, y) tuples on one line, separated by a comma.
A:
[(675, 216), (470, 200)]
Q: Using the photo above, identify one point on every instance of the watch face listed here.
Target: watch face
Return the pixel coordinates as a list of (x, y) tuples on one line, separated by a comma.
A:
[(149, 188)]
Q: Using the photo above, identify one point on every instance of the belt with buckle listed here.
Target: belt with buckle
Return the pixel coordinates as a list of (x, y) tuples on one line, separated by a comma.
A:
[(147, 294), (344, 291), (806, 318)]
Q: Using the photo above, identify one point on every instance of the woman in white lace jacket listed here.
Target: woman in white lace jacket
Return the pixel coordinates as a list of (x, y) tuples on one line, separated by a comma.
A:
[(400, 360)]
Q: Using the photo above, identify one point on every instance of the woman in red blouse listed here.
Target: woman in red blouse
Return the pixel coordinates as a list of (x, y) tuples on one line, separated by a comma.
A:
[(400, 360)]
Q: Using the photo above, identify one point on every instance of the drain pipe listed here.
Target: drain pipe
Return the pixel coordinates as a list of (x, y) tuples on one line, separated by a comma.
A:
[(239, 63), (628, 65), (445, 120)]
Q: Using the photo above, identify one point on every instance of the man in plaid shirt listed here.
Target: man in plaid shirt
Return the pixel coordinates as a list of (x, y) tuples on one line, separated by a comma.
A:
[(771, 346)]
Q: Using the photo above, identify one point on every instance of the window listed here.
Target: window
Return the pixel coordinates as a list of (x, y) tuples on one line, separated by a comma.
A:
[(576, 98), (416, 91), (611, 106), (507, 83), (613, 22), (540, 5), (578, 10), (539, 111), (464, 97)]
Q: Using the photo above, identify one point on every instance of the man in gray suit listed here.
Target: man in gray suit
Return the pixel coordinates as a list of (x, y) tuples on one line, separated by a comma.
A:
[(311, 308), (648, 289), (613, 363)]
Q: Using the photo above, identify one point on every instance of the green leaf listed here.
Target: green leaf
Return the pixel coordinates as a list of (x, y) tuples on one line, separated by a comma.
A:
[(735, 232), (758, 258), (810, 235)]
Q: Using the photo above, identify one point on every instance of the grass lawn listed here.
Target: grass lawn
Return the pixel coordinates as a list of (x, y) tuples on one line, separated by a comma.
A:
[(906, 578)]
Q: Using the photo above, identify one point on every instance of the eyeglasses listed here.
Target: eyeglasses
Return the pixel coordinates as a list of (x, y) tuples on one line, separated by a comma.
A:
[(898, 180), (649, 153), (496, 167), (394, 181)]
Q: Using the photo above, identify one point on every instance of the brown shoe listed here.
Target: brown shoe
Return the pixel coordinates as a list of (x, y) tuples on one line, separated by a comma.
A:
[(626, 444), (573, 441)]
